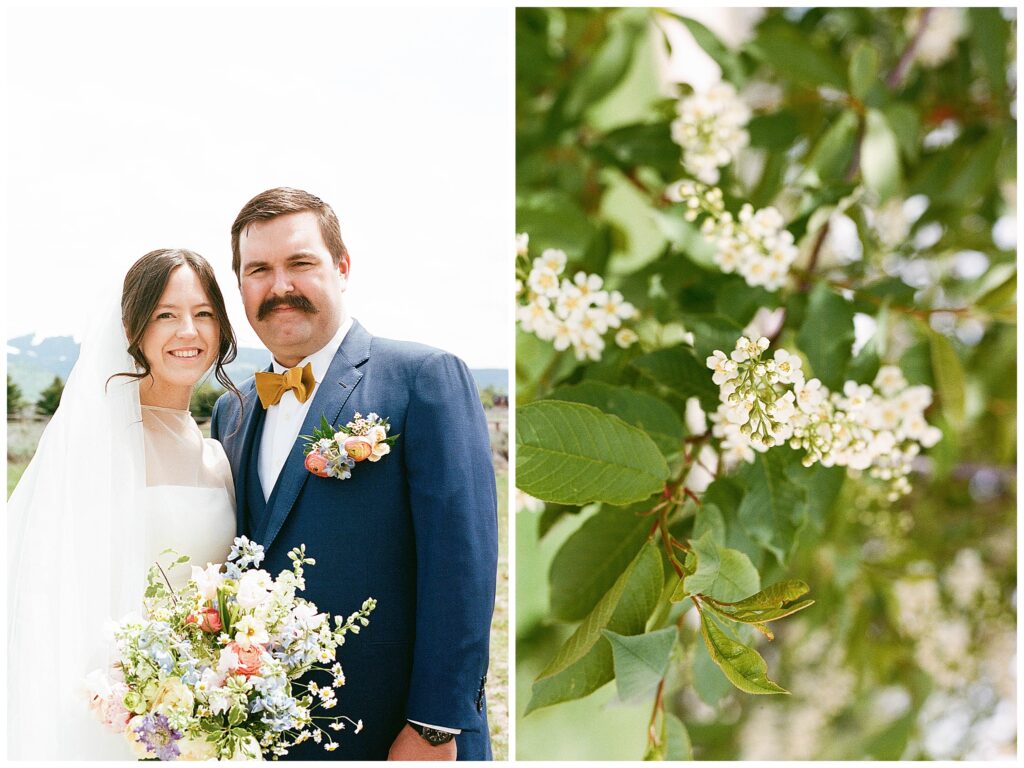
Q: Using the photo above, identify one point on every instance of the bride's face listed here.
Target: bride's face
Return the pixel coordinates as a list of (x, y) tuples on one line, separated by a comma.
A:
[(182, 338)]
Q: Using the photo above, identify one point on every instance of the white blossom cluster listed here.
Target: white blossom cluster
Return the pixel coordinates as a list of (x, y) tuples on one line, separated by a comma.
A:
[(711, 130), (767, 401), (575, 312), (755, 244)]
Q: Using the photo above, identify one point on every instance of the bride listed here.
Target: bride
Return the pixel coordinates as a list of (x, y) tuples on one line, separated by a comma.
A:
[(121, 473)]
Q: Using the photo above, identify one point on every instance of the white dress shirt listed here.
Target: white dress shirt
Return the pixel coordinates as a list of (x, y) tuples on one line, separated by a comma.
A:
[(284, 420)]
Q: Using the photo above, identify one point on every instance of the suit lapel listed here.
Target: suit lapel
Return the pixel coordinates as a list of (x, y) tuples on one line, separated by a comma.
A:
[(334, 391), (251, 414)]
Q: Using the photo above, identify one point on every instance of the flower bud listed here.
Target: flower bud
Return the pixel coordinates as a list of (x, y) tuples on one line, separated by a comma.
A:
[(359, 448), (316, 463)]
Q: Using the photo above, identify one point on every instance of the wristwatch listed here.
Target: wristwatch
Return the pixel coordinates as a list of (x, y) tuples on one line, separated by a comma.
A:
[(432, 736)]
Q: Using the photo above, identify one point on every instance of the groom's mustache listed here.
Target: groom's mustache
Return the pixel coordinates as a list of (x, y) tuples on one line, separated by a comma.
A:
[(292, 300)]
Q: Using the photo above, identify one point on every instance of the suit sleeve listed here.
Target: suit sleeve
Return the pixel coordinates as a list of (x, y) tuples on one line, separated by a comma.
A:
[(454, 508)]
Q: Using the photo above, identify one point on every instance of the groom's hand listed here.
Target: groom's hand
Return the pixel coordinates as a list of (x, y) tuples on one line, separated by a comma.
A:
[(409, 745)]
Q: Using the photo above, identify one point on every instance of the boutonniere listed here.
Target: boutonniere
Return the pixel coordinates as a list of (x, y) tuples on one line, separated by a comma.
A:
[(333, 451)]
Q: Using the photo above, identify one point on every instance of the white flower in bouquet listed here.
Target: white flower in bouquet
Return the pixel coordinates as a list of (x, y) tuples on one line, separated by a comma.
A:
[(254, 589), (207, 580)]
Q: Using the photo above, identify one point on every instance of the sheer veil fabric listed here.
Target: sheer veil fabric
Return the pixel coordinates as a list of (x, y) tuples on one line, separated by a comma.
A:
[(75, 558)]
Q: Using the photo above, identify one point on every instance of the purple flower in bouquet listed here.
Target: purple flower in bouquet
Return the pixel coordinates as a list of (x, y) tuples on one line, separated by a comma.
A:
[(156, 733)]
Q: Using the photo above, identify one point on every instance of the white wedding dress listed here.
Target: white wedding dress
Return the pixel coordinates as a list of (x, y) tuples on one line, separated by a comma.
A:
[(189, 496), (111, 486)]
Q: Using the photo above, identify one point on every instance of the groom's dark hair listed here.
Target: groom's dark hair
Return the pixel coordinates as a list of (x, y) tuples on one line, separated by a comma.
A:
[(279, 202)]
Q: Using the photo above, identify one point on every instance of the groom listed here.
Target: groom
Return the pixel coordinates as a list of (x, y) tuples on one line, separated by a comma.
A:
[(417, 529)]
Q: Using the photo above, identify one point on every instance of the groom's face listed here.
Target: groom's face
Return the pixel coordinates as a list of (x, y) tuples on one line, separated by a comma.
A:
[(291, 288)]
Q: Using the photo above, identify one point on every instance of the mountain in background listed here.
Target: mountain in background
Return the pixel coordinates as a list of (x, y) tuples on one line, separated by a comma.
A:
[(33, 362)]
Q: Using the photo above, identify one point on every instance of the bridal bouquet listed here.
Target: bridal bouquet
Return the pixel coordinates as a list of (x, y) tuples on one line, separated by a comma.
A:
[(211, 670)]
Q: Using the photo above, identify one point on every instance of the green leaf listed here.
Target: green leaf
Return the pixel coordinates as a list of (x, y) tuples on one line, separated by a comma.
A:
[(677, 739), (709, 519), (555, 220), (834, 149), (949, 377), (827, 335), (677, 370), (775, 596), (641, 661), (711, 332), (743, 666), (236, 715), (863, 69), (792, 55), (716, 49), (773, 507), (574, 454), (645, 144), (722, 573), (821, 486), (880, 156), (906, 126), (767, 605), (989, 32), (709, 682), (591, 560), (624, 610), (606, 67), (1000, 295), (775, 131), (642, 410), (761, 616), (973, 176), (589, 631)]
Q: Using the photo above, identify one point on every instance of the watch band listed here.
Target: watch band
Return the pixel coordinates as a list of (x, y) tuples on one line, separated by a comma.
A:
[(432, 736)]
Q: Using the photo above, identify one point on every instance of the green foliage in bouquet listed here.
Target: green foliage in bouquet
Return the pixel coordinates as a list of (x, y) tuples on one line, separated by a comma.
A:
[(766, 334)]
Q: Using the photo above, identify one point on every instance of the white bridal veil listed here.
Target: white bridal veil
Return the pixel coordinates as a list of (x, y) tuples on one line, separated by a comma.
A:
[(76, 553)]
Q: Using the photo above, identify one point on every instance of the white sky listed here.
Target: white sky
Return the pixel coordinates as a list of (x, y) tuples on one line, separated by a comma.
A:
[(135, 129)]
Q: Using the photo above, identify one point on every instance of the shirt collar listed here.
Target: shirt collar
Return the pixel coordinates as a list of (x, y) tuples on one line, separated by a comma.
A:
[(321, 359)]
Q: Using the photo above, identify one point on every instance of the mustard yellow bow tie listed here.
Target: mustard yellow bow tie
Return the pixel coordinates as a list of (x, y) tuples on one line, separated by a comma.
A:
[(271, 386)]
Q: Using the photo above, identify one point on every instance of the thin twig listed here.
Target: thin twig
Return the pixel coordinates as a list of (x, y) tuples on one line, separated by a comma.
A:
[(895, 78)]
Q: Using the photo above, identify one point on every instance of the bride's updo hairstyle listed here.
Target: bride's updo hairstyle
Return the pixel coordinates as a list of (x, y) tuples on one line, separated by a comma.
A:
[(144, 285)]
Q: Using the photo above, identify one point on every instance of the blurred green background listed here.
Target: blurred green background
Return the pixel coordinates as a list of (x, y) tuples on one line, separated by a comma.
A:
[(910, 651)]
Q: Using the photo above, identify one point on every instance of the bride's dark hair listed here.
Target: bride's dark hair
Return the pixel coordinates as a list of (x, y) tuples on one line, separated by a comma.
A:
[(144, 285)]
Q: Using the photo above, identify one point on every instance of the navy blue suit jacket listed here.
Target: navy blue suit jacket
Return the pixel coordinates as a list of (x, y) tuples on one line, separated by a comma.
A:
[(417, 530)]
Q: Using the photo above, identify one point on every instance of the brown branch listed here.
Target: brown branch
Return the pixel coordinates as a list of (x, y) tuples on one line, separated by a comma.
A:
[(895, 78)]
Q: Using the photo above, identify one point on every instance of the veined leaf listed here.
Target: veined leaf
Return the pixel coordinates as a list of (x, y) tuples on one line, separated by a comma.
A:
[(575, 454), (742, 665), (760, 616), (630, 606), (775, 596), (641, 661), (589, 632), (639, 409), (767, 605), (722, 573), (590, 561), (678, 370), (774, 507)]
